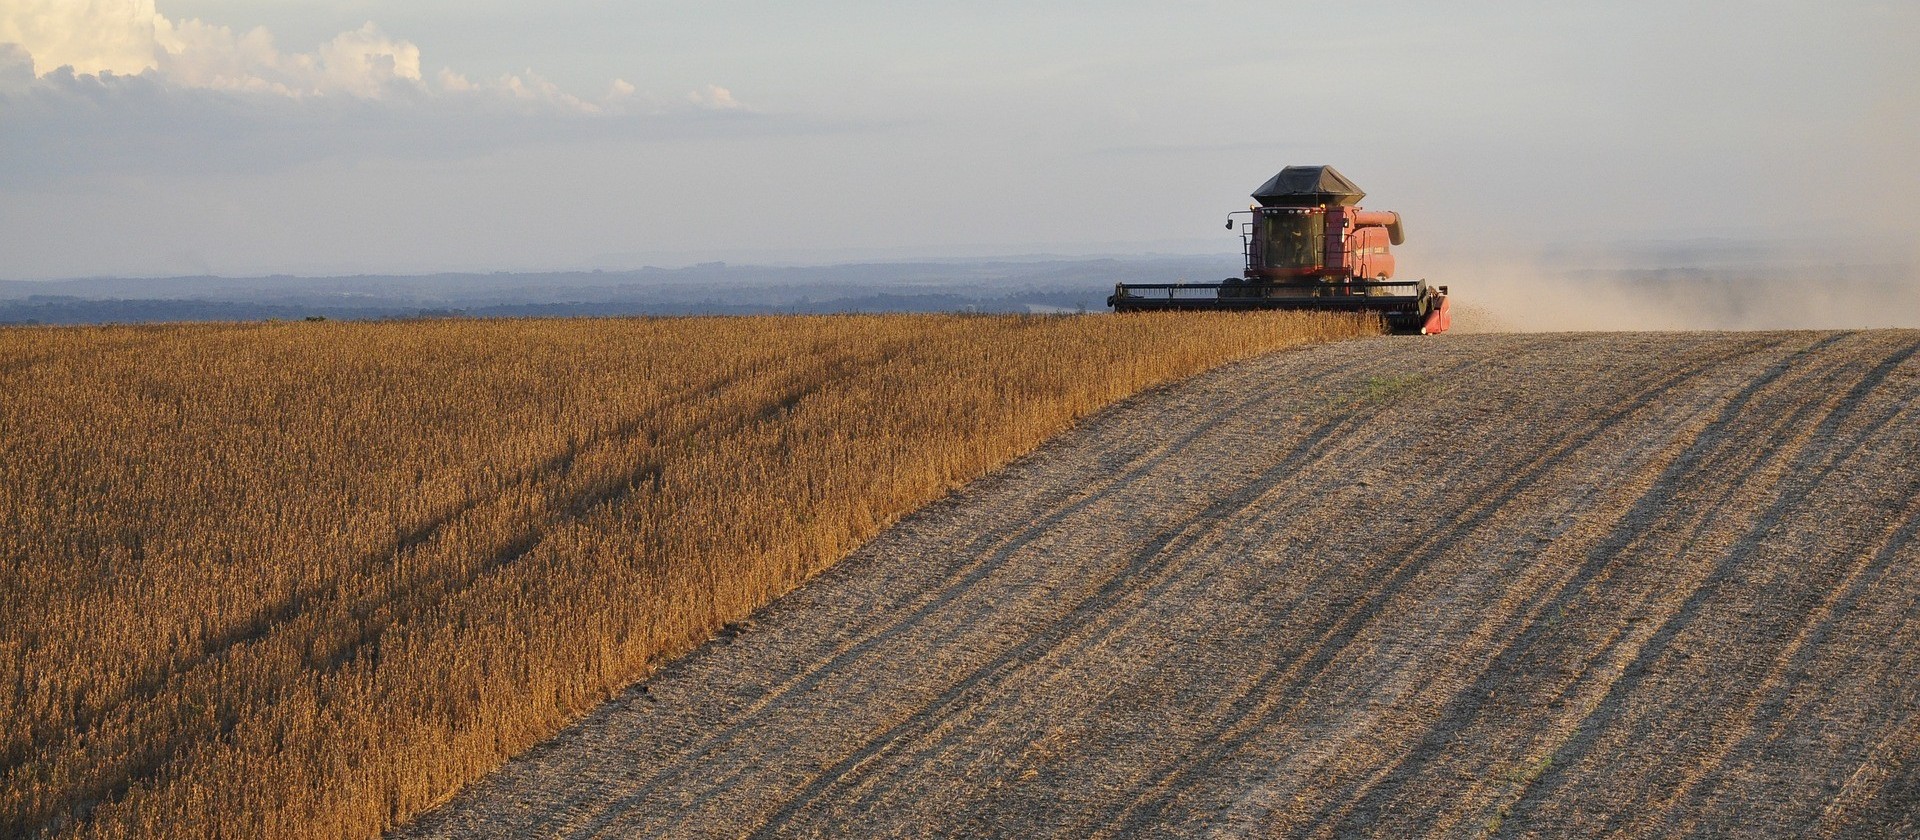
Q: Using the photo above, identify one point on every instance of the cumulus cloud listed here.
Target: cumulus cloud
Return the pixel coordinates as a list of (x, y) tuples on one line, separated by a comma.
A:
[(714, 97), (110, 39), (363, 62), (93, 85), (114, 36)]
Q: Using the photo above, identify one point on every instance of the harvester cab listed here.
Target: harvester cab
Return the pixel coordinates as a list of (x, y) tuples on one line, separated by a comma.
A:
[(1309, 245)]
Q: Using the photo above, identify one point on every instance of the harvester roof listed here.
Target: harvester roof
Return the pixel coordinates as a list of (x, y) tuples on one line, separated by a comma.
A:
[(1308, 186)]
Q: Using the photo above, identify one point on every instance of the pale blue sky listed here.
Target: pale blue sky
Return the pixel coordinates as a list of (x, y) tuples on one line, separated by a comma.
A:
[(931, 129)]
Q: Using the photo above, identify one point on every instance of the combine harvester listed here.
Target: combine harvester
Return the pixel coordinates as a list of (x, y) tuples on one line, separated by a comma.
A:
[(1309, 246)]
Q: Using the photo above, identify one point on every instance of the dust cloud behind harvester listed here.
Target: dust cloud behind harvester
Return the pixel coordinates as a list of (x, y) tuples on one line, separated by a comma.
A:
[(1689, 285)]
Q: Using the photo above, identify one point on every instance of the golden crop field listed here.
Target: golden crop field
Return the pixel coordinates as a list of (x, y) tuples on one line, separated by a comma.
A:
[(307, 579)]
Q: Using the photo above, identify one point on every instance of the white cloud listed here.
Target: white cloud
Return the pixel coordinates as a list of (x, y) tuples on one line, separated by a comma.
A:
[(91, 37), (131, 37), (92, 86), (363, 62), (714, 97), (118, 38)]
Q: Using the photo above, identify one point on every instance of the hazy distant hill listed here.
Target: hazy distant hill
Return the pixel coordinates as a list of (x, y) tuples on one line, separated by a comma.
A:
[(1035, 285)]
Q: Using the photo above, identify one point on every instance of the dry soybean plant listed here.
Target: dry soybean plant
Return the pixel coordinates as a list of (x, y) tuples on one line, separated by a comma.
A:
[(308, 579)]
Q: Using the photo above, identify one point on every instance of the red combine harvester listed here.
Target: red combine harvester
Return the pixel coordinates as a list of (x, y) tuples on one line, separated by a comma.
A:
[(1309, 246)]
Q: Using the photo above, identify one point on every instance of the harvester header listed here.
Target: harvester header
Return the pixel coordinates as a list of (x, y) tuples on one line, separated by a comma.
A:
[(1309, 245)]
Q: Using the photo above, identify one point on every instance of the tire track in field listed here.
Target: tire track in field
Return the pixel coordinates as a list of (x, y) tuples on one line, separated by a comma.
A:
[(1770, 714), (1188, 535), (1259, 708), (1812, 467), (1891, 765), (1724, 448), (1256, 604), (1812, 472), (1422, 547)]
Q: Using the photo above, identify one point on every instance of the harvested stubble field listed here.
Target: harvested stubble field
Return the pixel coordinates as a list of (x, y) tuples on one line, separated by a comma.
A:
[(305, 580), (1592, 585)]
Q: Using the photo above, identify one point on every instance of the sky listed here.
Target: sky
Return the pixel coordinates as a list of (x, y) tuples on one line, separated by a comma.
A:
[(144, 138)]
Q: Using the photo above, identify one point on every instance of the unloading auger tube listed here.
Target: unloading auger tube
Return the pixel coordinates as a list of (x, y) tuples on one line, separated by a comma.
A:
[(1309, 246)]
